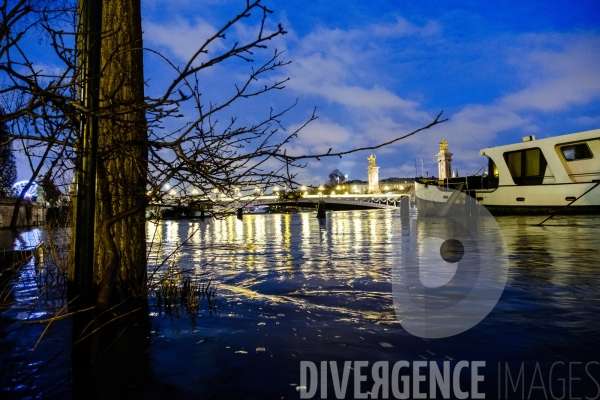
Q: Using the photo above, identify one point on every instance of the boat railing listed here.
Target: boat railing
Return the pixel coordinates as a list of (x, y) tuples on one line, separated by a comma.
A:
[(472, 182)]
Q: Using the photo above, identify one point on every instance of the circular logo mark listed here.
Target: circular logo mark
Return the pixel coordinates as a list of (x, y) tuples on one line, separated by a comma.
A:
[(452, 267)]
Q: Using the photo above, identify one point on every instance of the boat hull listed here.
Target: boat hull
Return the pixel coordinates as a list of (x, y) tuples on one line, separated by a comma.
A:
[(519, 200)]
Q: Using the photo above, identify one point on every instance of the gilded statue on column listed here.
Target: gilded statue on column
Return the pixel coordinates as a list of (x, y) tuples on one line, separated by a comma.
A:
[(371, 159), (444, 145)]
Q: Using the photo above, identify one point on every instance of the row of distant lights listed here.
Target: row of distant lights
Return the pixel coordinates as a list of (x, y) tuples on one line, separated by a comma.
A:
[(275, 190), (333, 192)]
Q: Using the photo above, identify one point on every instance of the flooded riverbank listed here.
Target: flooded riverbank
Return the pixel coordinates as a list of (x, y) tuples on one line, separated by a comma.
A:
[(291, 288)]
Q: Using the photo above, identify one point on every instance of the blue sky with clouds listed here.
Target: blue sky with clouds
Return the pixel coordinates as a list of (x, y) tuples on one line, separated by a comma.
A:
[(379, 69)]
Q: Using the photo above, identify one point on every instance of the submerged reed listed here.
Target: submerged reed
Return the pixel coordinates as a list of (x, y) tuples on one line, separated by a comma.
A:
[(176, 292)]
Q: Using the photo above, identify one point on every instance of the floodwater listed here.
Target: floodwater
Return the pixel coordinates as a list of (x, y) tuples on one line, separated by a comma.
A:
[(292, 289)]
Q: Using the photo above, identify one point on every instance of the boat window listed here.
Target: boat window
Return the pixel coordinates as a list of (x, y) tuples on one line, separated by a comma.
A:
[(579, 151), (493, 176), (532, 163), (514, 163), (527, 167), (492, 169)]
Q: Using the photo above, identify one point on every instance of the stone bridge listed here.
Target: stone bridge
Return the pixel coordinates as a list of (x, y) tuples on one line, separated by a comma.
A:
[(332, 202), (198, 207)]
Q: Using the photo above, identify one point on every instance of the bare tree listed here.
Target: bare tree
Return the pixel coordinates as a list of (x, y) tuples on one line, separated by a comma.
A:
[(136, 155), (336, 176)]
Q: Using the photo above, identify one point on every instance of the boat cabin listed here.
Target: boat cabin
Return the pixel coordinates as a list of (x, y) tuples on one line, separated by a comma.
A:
[(556, 160)]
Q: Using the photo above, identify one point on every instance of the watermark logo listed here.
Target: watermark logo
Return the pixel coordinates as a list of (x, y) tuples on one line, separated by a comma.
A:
[(460, 379), (385, 377), (452, 266)]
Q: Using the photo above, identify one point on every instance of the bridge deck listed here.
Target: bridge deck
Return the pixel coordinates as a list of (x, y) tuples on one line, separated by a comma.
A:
[(334, 202)]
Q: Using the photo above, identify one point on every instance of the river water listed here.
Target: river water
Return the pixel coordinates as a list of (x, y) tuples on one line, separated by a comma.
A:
[(292, 289)]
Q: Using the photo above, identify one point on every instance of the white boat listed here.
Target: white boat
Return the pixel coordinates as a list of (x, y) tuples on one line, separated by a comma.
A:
[(556, 175)]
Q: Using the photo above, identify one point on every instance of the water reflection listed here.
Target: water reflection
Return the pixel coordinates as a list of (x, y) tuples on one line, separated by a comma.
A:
[(299, 288), (297, 257), (560, 253)]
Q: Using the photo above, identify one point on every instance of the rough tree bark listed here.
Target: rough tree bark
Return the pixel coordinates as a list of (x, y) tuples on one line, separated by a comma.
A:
[(120, 271)]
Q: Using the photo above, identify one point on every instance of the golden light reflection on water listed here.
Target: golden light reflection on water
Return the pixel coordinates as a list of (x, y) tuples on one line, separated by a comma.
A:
[(287, 232), (305, 227), (195, 238), (373, 225), (306, 236), (173, 231), (275, 229), (249, 228), (208, 233), (287, 241), (195, 230), (357, 231), (260, 229), (231, 231), (345, 247), (348, 255), (289, 257), (343, 264)]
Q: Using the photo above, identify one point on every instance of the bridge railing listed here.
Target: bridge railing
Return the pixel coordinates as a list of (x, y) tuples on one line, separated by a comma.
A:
[(373, 200), (377, 202)]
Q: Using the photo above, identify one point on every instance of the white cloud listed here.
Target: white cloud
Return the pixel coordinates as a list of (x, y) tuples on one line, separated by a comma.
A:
[(479, 121), (403, 27), (555, 73), (182, 38), (354, 96), (587, 120), (318, 137), (338, 67), (558, 78)]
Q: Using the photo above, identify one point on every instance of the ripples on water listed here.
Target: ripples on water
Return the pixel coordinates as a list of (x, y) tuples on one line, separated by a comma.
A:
[(292, 288)]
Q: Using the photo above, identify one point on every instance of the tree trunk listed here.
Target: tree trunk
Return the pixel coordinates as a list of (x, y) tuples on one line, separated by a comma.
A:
[(123, 160)]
